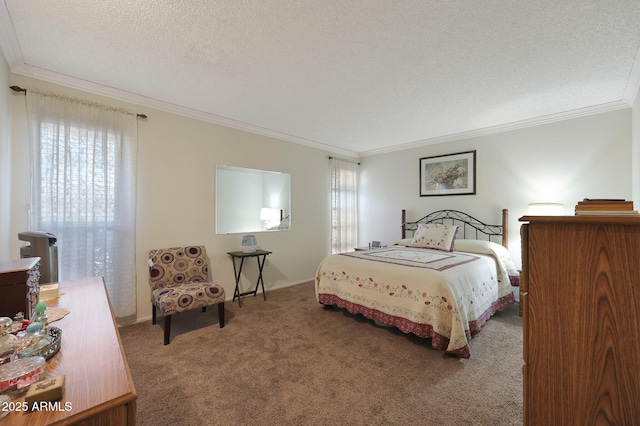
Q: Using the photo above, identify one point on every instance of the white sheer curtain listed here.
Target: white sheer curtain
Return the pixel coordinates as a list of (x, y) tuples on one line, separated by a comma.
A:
[(344, 205), (83, 190)]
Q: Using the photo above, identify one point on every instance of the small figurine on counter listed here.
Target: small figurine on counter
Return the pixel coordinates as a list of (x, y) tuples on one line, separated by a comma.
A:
[(8, 342), (33, 340), (41, 316), (19, 323)]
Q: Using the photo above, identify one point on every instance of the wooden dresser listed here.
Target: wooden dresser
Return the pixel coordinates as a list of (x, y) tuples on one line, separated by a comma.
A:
[(19, 285), (98, 385), (580, 293)]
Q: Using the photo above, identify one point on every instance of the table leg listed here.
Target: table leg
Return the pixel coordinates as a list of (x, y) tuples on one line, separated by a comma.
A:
[(236, 292), (260, 280)]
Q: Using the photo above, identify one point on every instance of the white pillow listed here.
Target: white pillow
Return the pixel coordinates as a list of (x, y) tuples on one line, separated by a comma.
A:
[(404, 242), (435, 236), (476, 246), (494, 249)]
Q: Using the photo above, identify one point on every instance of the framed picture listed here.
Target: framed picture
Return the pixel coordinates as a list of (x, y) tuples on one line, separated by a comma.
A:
[(450, 174), (375, 244)]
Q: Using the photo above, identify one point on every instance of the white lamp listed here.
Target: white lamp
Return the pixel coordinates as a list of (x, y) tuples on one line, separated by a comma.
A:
[(270, 217), (546, 209)]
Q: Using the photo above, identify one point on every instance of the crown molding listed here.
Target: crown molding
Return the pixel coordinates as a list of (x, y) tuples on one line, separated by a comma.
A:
[(8, 40), (522, 124), (121, 95), (633, 84)]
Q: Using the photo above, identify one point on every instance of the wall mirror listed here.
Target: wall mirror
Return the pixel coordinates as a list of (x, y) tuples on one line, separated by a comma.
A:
[(250, 200)]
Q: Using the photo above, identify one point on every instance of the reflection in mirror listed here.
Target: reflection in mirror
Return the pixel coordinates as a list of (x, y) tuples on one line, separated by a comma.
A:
[(250, 200)]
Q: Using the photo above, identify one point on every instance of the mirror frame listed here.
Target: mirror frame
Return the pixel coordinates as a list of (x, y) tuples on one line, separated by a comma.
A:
[(251, 200)]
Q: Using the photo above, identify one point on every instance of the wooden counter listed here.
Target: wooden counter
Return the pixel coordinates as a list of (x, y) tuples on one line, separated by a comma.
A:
[(98, 385)]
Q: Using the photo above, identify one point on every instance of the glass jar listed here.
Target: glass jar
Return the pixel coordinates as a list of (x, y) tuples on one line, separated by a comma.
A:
[(21, 373), (33, 341), (8, 342)]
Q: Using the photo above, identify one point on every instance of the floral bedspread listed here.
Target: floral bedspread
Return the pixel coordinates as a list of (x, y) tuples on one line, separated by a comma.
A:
[(431, 293)]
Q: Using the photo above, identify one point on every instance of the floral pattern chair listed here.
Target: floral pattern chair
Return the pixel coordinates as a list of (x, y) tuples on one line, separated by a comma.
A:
[(179, 281)]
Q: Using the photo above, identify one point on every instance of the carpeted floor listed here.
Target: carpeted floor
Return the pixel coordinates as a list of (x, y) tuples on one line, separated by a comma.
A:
[(289, 361)]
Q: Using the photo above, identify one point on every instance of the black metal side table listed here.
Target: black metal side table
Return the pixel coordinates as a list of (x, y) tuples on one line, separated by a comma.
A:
[(258, 254)]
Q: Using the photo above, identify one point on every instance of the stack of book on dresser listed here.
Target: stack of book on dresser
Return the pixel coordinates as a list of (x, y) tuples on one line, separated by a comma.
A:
[(605, 207)]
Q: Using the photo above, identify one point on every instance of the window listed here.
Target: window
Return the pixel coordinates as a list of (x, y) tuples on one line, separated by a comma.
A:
[(83, 191), (76, 175), (344, 205)]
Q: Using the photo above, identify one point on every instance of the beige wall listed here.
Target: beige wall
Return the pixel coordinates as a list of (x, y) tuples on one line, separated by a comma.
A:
[(5, 156), (176, 197), (565, 161), (635, 142)]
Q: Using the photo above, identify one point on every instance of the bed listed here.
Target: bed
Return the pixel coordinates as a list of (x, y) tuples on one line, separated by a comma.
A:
[(446, 276)]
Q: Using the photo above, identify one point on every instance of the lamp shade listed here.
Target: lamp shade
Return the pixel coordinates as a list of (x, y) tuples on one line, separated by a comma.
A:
[(269, 214), (546, 209)]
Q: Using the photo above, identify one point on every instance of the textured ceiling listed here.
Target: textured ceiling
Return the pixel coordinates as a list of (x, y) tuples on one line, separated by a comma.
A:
[(353, 76)]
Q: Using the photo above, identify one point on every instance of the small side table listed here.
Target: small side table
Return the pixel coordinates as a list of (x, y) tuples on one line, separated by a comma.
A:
[(258, 254)]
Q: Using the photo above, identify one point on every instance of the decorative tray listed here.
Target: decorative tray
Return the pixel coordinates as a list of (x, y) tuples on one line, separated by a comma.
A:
[(55, 334), (56, 339)]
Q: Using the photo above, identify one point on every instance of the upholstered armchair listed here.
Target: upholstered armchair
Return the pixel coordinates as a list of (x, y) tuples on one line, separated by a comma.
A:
[(179, 281)]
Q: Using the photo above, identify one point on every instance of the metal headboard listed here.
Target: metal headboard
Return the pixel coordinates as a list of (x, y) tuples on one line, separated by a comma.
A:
[(470, 227)]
